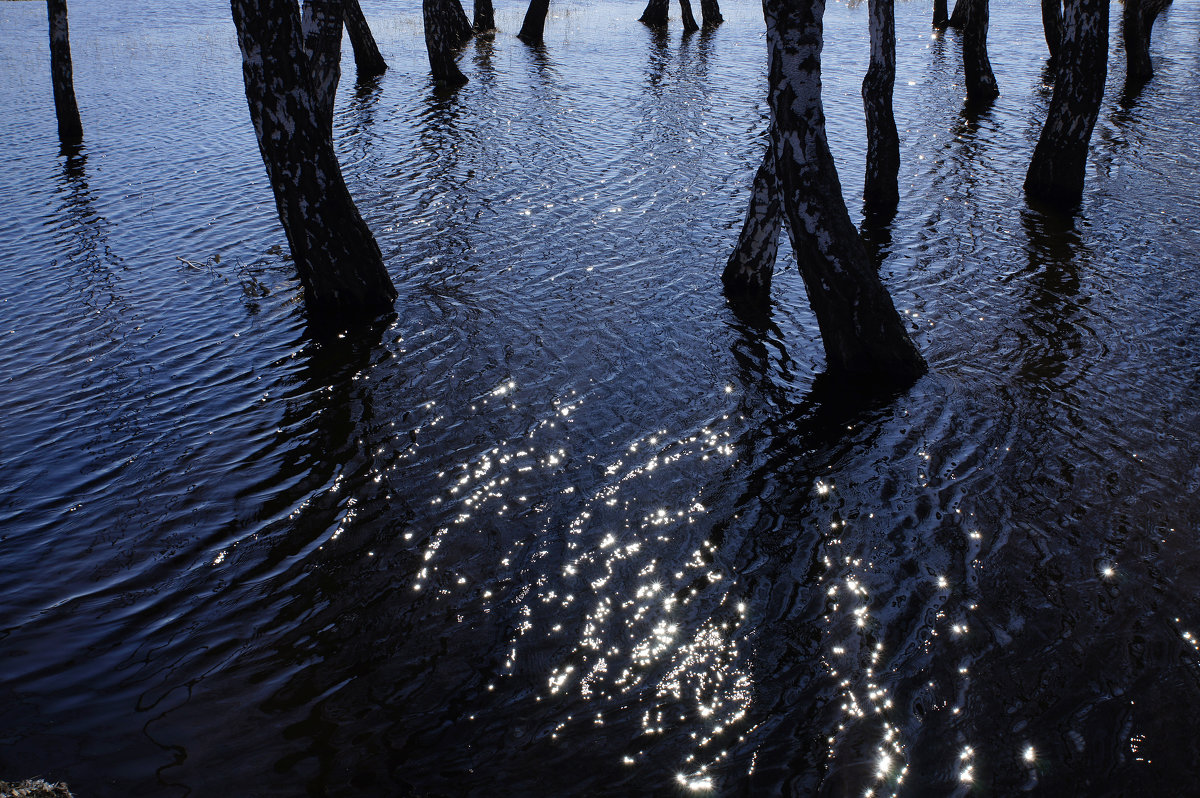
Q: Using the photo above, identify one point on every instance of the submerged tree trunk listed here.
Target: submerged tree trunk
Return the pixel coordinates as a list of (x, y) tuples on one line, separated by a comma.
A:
[(1052, 25), (655, 14), (941, 20), (881, 190), (710, 10), (322, 26), (689, 20), (533, 30), (1060, 158), (863, 336), (981, 83), (70, 129), (367, 58), (441, 40), (338, 261), (752, 264), (485, 16), (1137, 19)]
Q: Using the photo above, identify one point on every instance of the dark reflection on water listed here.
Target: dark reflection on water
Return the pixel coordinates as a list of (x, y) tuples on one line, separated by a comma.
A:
[(569, 523)]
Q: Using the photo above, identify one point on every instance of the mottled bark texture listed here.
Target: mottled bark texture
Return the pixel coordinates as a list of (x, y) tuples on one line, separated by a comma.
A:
[(655, 14), (70, 129), (864, 338), (322, 26), (881, 190), (442, 39), (485, 16), (339, 263), (752, 264), (710, 11), (689, 19), (1060, 158), (533, 29), (981, 83), (367, 58), (1137, 19), (1052, 25), (941, 20)]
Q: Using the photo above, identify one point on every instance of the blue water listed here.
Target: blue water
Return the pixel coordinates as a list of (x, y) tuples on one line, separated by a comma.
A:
[(570, 525)]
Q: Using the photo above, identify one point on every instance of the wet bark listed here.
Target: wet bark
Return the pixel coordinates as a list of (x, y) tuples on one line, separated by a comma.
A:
[(367, 58), (689, 20), (881, 190), (485, 16), (981, 83), (338, 261), (864, 338), (1060, 157), (1137, 19), (710, 11), (322, 26), (751, 266), (442, 39), (655, 14), (1052, 24), (533, 29), (70, 129), (941, 20)]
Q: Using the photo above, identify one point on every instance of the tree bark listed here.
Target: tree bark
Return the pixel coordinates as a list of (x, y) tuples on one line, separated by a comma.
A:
[(710, 10), (863, 336), (941, 20), (70, 129), (1060, 158), (752, 264), (459, 24), (881, 190), (1137, 19), (533, 29), (655, 14), (1052, 24), (322, 26), (338, 261), (689, 20), (442, 38), (485, 16), (367, 58), (958, 17), (981, 83)]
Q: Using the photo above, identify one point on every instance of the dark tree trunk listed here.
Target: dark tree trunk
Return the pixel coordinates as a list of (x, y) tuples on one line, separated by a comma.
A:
[(1052, 24), (752, 263), (958, 17), (864, 338), (880, 188), (339, 263), (710, 10), (70, 129), (441, 40), (367, 58), (941, 20), (689, 20), (1060, 158), (1137, 19), (459, 24), (485, 16), (655, 14), (981, 83), (322, 26), (534, 27)]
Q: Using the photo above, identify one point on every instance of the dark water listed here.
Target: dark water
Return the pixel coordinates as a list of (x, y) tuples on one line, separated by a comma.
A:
[(569, 525)]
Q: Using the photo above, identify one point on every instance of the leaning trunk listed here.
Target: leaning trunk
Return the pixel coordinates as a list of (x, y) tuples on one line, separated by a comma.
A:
[(534, 28), (655, 14), (460, 26), (485, 16), (880, 188), (958, 17), (941, 19), (367, 58), (710, 10), (1052, 25), (322, 26), (752, 264), (338, 261), (1060, 158), (70, 129), (441, 40), (863, 335), (689, 20), (1137, 19), (981, 83)]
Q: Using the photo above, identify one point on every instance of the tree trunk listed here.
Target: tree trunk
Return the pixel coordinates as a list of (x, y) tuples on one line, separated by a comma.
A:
[(1060, 158), (441, 40), (1052, 24), (864, 338), (534, 28), (710, 10), (752, 264), (958, 17), (459, 24), (689, 20), (339, 263), (485, 16), (655, 14), (881, 190), (941, 20), (367, 58), (1137, 19), (322, 26), (981, 83), (70, 129)]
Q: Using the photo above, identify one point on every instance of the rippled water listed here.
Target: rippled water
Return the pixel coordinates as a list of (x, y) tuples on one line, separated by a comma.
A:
[(568, 524)]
